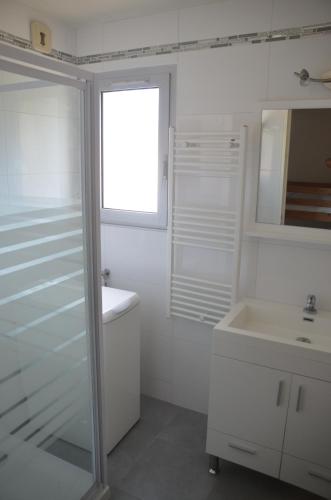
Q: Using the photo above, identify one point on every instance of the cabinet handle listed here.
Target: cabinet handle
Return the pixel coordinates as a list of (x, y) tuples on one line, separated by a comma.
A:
[(279, 393), (299, 399), (245, 449), (320, 475)]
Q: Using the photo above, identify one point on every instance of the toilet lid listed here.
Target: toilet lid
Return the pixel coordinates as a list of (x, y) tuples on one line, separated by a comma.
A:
[(115, 302)]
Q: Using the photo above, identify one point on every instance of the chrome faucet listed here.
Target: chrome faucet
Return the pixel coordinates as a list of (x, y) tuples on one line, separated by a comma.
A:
[(105, 274), (310, 306)]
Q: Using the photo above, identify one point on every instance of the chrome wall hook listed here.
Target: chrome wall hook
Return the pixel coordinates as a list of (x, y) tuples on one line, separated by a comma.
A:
[(305, 78)]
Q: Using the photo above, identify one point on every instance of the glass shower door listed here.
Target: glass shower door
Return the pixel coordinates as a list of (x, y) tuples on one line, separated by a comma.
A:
[(46, 429)]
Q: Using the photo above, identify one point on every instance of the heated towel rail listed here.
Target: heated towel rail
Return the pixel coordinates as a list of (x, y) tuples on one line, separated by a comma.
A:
[(206, 191)]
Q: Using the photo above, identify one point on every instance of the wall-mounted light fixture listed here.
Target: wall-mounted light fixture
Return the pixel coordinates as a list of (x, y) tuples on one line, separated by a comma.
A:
[(305, 78)]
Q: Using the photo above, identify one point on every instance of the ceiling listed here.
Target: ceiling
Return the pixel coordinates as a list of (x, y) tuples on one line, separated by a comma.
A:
[(82, 11)]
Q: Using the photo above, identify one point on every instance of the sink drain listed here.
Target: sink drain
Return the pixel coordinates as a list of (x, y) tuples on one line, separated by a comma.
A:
[(306, 340)]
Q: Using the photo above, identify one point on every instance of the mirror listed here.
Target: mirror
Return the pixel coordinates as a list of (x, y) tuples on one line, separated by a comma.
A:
[(295, 168)]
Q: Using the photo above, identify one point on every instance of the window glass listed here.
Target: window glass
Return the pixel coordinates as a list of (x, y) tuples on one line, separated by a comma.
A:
[(130, 149)]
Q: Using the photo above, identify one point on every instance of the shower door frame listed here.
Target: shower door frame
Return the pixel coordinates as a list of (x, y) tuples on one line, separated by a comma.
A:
[(26, 63)]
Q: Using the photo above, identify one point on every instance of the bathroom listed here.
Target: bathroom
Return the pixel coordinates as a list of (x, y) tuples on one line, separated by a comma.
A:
[(225, 74)]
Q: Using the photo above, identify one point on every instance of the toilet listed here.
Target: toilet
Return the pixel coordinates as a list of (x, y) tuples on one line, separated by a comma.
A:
[(121, 363)]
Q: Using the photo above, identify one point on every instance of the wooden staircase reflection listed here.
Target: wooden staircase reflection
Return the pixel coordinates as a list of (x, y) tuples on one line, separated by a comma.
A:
[(308, 204)]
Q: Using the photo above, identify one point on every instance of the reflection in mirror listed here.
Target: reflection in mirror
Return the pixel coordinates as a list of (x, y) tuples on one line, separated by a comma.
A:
[(295, 168)]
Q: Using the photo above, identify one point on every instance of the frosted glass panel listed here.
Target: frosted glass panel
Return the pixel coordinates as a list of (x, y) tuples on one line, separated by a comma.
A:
[(130, 149), (45, 394)]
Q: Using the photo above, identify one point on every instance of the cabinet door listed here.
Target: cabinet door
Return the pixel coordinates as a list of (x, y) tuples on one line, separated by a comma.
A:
[(308, 429), (248, 401)]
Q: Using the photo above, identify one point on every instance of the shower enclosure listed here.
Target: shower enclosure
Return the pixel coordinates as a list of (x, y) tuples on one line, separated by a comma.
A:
[(50, 425)]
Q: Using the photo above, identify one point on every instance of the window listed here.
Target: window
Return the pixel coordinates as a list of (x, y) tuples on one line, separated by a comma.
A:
[(134, 151)]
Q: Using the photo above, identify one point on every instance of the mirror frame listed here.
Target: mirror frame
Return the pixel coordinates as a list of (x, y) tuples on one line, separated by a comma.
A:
[(279, 231)]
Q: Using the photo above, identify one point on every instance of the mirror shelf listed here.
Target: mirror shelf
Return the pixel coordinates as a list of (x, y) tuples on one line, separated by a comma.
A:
[(295, 234), (294, 183)]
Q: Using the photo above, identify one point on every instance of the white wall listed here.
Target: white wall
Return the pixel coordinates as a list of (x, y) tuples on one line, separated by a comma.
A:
[(216, 88), (15, 18), (39, 129), (39, 142)]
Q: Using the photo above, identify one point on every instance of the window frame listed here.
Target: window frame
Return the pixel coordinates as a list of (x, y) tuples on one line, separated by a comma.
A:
[(132, 80)]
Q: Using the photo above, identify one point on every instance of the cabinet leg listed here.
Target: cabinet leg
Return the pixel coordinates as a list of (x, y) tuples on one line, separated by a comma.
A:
[(213, 465)]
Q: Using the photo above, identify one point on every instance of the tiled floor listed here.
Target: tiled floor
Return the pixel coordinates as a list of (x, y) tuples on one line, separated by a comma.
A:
[(163, 458), (72, 454)]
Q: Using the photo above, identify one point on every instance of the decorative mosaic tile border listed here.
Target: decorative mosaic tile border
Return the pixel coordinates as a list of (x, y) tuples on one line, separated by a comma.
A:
[(172, 48), (211, 43)]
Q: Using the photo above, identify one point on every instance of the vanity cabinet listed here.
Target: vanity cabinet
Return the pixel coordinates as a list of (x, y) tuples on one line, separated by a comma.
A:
[(249, 401), (308, 428), (272, 421)]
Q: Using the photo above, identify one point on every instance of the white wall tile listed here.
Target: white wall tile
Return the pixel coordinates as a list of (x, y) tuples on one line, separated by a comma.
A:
[(288, 273), (153, 298), (3, 189), (157, 356), (286, 57), (248, 267), (141, 32), (233, 79), (225, 18), (157, 388), (46, 99), (251, 186), (135, 63), (95, 67), (34, 185), (191, 375), (222, 122), (89, 39), (142, 62), (192, 331), (41, 101), (135, 254), (3, 158), (40, 143), (292, 13)]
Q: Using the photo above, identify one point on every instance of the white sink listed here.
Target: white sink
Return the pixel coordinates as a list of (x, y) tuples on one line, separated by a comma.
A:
[(280, 323), (270, 392)]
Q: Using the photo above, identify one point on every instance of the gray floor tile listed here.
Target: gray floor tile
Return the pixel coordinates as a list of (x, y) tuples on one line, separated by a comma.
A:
[(128, 451), (72, 454), (158, 413), (163, 458), (139, 438), (155, 416), (166, 471), (238, 483), (117, 494), (187, 429), (119, 464)]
